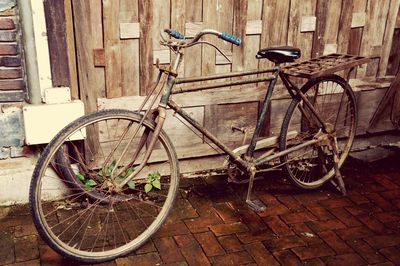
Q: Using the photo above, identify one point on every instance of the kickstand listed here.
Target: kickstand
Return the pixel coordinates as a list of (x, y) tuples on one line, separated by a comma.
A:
[(255, 205), (339, 179)]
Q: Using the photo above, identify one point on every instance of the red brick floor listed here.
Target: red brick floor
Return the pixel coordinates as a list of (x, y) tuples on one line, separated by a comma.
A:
[(210, 224)]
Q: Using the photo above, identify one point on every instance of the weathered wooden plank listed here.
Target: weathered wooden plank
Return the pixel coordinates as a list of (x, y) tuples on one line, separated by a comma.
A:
[(239, 29), (129, 30), (210, 14), (254, 27), (305, 39), (295, 23), (278, 36), (373, 31), (163, 56), (367, 102), (395, 111), (358, 20), (145, 46), (161, 20), (112, 48), (129, 16), (211, 119), (385, 107), (321, 14), (180, 132), (388, 37), (254, 9), (99, 58), (178, 21), (96, 41), (243, 115), (69, 28), (58, 48), (252, 42), (86, 30), (394, 57), (308, 23), (332, 26), (201, 98), (343, 35), (192, 28), (194, 18)]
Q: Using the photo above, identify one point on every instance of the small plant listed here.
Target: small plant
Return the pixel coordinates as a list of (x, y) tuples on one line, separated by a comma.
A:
[(152, 180), (87, 182)]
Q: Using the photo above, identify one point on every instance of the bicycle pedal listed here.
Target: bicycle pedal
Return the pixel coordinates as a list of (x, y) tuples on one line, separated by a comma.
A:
[(256, 205)]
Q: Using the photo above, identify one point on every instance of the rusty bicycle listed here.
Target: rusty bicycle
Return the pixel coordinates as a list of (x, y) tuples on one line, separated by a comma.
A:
[(107, 181)]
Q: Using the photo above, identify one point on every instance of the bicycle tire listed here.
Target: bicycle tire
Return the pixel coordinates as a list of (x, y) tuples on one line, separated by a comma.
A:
[(312, 171), (103, 225)]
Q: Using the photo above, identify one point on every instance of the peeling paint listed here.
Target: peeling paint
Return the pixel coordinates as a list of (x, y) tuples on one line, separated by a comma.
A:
[(11, 129), (7, 4)]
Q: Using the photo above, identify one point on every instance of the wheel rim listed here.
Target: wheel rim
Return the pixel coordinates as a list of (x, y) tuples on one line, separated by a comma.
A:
[(112, 222), (334, 103)]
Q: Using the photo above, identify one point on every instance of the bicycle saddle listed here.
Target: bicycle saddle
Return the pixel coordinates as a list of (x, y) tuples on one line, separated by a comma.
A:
[(282, 54)]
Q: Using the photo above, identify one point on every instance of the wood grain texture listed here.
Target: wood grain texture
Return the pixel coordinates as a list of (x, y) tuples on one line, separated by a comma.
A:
[(112, 48), (319, 39), (90, 82), (208, 53), (239, 29), (194, 18), (69, 28), (275, 25), (388, 37), (343, 35), (178, 22), (394, 57), (145, 46), (129, 15), (58, 46)]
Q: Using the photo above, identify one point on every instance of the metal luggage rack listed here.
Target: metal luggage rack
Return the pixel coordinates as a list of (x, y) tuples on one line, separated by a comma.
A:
[(326, 64)]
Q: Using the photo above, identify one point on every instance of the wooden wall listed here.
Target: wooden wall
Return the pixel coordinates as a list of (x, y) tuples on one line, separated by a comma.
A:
[(117, 43)]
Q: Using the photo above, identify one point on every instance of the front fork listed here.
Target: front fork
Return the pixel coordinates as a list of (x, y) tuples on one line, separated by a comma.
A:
[(144, 139)]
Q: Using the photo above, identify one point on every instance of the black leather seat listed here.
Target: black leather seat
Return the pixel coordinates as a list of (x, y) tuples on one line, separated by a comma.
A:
[(282, 54)]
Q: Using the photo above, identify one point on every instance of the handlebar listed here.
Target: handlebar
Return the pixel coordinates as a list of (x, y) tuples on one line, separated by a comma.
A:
[(222, 35)]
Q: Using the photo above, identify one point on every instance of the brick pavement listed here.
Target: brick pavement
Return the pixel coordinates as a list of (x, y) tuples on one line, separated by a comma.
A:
[(210, 225)]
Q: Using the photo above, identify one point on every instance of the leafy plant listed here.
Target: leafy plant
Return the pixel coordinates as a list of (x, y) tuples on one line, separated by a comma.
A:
[(87, 182), (152, 180), (90, 183), (131, 184), (108, 169)]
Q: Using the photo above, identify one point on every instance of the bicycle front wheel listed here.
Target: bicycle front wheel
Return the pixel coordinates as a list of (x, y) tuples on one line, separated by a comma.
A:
[(334, 101), (76, 203)]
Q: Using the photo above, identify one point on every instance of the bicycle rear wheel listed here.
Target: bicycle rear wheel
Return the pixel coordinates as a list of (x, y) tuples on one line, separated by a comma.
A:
[(334, 101), (75, 204)]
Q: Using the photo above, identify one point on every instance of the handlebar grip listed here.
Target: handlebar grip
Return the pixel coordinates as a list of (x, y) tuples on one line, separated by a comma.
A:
[(175, 34), (230, 38)]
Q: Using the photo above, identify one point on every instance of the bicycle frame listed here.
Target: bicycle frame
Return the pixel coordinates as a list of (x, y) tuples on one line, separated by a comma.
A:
[(246, 164)]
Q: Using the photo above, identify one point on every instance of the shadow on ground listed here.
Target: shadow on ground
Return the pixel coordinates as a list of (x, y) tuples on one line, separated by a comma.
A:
[(210, 224)]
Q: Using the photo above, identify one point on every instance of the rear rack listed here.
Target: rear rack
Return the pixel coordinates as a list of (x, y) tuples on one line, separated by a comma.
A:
[(326, 64)]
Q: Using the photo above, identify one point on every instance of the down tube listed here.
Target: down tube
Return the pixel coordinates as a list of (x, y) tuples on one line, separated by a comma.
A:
[(207, 133)]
